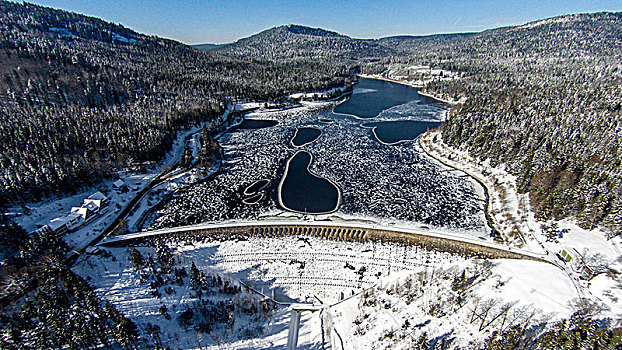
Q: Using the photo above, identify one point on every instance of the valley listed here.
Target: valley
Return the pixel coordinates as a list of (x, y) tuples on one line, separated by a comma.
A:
[(300, 188)]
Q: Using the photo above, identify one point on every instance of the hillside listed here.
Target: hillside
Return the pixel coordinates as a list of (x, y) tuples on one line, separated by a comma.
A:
[(299, 43), (544, 99), (411, 44), (82, 97), (294, 43)]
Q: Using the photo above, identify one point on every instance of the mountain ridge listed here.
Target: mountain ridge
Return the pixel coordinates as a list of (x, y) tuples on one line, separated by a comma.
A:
[(208, 46), (300, 43)]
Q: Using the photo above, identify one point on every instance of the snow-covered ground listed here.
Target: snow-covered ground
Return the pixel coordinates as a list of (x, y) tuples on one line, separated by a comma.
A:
[(118, 201), (406, 306), (143, 296), (308, 269), (317, 94), (42, 212), (382, 285), (513, 218), (248, 105)]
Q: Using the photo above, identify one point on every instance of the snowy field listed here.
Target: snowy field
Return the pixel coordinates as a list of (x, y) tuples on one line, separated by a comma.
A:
[(513, 218), (382, 286), (309, 269), (395, 184), (502, 293)]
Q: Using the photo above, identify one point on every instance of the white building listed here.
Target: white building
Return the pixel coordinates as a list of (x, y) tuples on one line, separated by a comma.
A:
[(118, 185), (78, 216), (87, 212), (98, 199), (66, 224)]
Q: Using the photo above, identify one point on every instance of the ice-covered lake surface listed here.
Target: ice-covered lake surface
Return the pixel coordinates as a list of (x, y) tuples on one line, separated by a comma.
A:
[(387, 182)]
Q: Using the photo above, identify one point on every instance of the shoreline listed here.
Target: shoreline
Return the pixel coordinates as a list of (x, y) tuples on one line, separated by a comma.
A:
[(373, 130), (492, 224), (418, 86), (246, 193), (453, 103), (259, 196), (493, 201), (392, 80)]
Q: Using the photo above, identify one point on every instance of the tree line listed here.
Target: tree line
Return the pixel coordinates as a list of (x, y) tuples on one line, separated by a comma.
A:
[(81, 98), (544, 99)]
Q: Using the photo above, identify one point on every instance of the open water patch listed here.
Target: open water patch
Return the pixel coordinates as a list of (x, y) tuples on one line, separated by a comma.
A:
[(303, 192), (304, 136), (256, 187), (391, 133), (371, 103), (256, 124)]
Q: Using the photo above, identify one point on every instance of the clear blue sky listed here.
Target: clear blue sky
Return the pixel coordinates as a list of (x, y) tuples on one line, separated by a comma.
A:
[(195, 21)]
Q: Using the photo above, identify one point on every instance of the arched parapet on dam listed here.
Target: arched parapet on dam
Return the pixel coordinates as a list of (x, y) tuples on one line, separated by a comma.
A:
[(332, 231)]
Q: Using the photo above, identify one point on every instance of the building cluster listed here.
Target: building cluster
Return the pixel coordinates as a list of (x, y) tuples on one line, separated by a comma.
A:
[(92, 207), (580, 263)]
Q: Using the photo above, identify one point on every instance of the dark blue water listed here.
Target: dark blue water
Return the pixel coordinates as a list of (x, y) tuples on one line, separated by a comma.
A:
[(304, 192), (305, 135), (372, 96), (256, 124), (401, 130)]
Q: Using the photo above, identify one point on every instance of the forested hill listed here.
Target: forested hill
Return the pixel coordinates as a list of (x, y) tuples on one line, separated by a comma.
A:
[(81, 97), (294, 43), (544, 99), (207, 47), (411, 44)]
